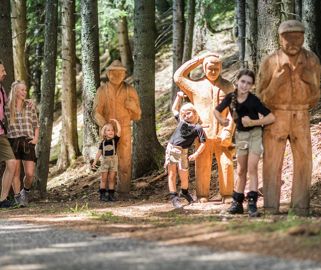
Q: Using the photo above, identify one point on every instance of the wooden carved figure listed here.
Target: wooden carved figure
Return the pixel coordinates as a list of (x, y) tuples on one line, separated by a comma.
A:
[(289, 85), (206, 94), (118, 100)]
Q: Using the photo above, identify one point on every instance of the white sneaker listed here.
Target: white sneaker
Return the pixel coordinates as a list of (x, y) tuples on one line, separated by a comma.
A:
[(24, 197)]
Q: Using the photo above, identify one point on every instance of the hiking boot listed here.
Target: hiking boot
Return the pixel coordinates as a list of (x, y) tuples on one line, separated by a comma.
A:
[(187, 196), (24, 197), (111, 197), (252, 208), (237, 204), (175, 200), (103, 197), (7, 204), (236, 208)]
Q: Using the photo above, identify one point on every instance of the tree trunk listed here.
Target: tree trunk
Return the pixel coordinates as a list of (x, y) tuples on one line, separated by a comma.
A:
[(178, 40), (269, 19), (251, 35), (90, 67), (123, 41), (298, 9), (288, 10), (19, 31), (189, 31), (199, 28), (47, 93), (6, 52), (69, 137), (311, 11), (147, 152), (240, 13)]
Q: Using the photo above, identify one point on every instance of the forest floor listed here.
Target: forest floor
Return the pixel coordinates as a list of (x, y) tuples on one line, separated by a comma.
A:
[(72, 202)]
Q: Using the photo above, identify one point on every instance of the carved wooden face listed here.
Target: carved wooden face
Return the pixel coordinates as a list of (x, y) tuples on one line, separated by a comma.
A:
[(291, 42), (116, 76), (212, 68)]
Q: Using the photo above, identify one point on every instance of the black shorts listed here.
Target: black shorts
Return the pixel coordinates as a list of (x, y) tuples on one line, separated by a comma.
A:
[(22, 149)]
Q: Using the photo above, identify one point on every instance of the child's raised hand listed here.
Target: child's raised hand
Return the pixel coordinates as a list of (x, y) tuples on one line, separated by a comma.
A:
[(181, 94)]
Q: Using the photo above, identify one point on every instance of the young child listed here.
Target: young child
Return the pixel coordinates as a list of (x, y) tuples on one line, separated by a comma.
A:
[(109, 164), (177, 149), (245, 108)]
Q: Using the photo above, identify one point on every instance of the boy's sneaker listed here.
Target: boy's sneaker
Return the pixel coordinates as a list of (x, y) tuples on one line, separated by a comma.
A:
[(187, 196), (103, 197), (18, 201), (236, 208), (24, 197), (175, 202), (7, 204)]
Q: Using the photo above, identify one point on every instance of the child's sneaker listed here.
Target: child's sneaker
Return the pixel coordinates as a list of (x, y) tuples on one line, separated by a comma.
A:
[(187, 196), (175, 200), (111, 197), (24, 197), (252, 200), (236, 208)]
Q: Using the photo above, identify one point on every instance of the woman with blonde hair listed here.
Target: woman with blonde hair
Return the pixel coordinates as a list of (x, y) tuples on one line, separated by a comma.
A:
[(23, 132), (109, 165)]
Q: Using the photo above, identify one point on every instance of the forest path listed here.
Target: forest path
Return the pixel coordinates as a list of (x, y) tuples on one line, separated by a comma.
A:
[(29, 246)]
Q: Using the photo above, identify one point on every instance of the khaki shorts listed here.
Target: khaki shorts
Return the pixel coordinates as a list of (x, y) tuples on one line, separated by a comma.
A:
[(249, 142), (6, 152), (109, 164), (176, 155)]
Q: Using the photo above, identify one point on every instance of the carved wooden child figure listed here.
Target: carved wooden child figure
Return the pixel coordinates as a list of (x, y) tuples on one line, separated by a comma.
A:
[(289, 85), (118, 100), (109, 164)]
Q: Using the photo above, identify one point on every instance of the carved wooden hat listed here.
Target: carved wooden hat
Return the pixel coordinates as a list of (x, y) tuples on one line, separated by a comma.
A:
[(291, 26), (116, 65)]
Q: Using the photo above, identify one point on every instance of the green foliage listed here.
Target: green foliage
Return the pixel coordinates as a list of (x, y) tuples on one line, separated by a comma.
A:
[(219, 13), (79, 208)]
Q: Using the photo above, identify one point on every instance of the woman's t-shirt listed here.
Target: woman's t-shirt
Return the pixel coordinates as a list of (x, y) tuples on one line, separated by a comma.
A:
[(185, 134), (108, 146), (251, 107)]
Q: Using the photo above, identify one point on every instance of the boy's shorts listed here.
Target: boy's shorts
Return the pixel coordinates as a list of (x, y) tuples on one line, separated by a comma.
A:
[(109, 164), (22, 149), (176, 155), (249, 142), (6, 152)]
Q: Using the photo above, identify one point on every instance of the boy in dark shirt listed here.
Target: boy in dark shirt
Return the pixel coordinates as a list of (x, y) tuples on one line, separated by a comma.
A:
[(109, 164), (177, 158)]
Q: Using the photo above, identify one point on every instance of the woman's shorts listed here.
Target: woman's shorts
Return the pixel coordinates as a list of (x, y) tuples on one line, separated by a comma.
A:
[(176, 155), (23, 149), (109, 164), (249, 142), (5, 149)]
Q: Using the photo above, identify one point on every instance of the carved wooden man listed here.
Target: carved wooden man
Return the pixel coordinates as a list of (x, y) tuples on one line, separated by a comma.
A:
[(289, 84), (205, 94), (118, 100)]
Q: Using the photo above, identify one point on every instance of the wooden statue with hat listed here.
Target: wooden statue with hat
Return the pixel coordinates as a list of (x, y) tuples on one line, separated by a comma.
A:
[(289, 85), (118, 100), (205, 94)]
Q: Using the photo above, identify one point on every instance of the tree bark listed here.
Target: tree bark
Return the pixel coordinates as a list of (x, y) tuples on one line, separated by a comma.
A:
[(147, 152), (298, 9), (47, 94), (251, 35), (90, 67), (240, 8), (69, 137), (19, 32), (269, 19), (311, 11), (199, 28), (178, 40), (6, 52), (189, 31), (123, 41)]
